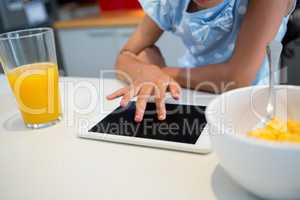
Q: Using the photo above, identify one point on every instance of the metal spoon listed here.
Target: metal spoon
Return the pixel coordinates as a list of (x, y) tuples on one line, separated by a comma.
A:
[(274, 49)]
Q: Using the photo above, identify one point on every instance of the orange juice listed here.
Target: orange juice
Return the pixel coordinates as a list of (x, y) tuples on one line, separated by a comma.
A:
[(35, 87)]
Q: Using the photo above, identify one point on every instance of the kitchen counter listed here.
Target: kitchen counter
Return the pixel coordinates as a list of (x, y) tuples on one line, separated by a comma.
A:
[(53, 163), (105, 19)]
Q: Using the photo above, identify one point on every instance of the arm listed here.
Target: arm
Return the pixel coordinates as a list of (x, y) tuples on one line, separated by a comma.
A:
[(146, 35), (259, 27), (145, 79)]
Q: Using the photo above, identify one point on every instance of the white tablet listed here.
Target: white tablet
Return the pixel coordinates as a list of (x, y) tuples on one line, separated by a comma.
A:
[(184, 128)]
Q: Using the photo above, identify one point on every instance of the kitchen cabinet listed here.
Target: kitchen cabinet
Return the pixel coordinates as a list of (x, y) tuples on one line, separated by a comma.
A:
[(87, 52)]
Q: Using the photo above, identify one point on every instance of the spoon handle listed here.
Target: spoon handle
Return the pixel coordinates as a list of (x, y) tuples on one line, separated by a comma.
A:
[(274, 49)]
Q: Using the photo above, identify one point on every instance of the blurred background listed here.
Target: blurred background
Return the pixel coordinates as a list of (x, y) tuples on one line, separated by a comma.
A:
[(89, 33)]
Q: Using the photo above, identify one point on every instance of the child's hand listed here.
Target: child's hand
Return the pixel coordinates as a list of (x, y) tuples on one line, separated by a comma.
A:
[(152, 81)]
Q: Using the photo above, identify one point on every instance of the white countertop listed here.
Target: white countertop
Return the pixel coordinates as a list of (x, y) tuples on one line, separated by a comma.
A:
[(52, 163)]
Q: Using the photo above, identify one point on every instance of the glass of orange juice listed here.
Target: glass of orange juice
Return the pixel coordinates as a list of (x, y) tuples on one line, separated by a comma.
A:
[(28, 58)]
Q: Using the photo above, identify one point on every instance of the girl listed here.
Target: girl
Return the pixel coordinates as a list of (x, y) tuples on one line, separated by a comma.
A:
[(225, 40)]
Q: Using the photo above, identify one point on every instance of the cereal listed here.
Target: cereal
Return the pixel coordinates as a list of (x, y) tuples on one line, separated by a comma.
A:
[(278, 130)]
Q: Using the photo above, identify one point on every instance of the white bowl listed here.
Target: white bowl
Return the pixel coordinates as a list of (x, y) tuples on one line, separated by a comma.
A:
[(268, 169)]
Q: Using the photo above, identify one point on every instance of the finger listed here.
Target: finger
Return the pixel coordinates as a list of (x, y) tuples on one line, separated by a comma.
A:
[(132, 91), (141, 102), (160, 101), (117, 93), (175, 90)]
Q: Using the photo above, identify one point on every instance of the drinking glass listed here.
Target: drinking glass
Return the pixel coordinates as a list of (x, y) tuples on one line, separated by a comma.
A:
[(28, 58)]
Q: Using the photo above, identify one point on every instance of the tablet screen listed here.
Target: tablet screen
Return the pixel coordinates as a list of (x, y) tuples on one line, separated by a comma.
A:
[(183, 123)]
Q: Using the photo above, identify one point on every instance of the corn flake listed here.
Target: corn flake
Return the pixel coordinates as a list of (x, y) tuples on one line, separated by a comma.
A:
[(278, 130)]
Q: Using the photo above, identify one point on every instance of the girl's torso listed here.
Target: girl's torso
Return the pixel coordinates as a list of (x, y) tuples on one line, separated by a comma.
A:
[(209, 35)]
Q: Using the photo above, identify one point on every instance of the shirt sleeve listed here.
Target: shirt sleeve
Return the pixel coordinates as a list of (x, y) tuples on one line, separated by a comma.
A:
[(159, 11)]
